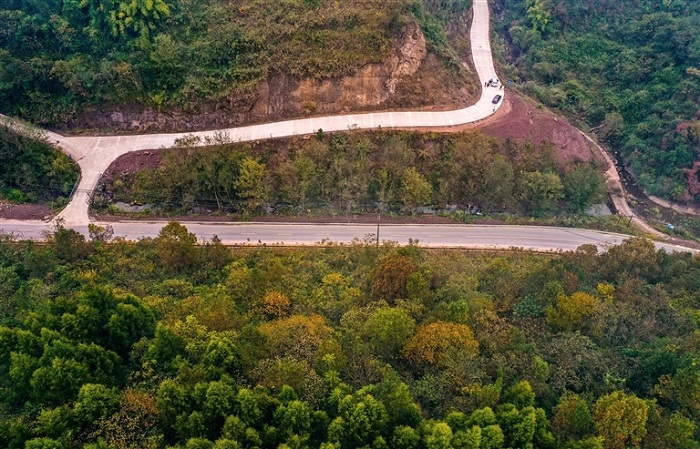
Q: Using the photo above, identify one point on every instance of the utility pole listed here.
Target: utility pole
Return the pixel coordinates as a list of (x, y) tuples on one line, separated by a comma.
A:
[(379, 217)]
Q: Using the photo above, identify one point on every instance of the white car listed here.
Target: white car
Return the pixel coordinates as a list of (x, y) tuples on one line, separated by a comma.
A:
[(493, 82)]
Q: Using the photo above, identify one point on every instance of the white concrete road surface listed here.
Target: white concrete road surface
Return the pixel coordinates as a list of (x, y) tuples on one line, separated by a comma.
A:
[(536, 238)]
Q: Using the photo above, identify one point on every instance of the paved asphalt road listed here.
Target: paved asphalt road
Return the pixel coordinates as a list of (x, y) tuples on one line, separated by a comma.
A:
[(468, 236)]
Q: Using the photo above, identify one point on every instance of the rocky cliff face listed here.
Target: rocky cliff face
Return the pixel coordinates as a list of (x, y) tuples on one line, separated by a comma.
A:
[(281, 96), (372, 85)]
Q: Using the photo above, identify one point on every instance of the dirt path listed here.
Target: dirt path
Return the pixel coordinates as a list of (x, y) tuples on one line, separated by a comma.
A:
[(681, 209), (617, 193)]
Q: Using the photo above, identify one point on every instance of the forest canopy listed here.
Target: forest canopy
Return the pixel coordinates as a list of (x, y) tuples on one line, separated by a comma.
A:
[(628, 69), (164, 343)]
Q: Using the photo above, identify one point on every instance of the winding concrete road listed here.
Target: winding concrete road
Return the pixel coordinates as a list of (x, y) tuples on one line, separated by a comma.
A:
[(94, 154)]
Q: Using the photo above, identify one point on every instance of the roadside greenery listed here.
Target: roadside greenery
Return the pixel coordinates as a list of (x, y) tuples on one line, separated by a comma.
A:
[(358, 172), (628, 70), (33, 171), (164, 344), (61, 57)]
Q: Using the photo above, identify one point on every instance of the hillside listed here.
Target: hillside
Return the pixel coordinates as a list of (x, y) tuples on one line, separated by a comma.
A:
[(162, 344), (628, 70), (33, 171), (182, 65), (362, 172)]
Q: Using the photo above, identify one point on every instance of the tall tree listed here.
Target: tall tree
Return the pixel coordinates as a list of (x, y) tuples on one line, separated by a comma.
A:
[(621, 420)]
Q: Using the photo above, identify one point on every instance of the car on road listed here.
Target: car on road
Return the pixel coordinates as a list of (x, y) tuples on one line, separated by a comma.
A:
[(493, 82), (496, 99)]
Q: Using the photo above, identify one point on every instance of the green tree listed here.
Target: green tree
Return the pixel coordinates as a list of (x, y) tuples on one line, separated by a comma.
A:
[(498, 184), (613, 127), (396, 397), (538, 14), (519, 426), (438, 436), (94, 402), (388, 329), (293, 418), (251, 184), (405, 437), (539, 192), (583, 186), (198, 443), (361, 419), (138, 16), (520, 395), (175, 246), (69, 245), (571, 312), (219, 402), (44, 443), (467, 439), (621, 420), (415, 189), (572, 417)]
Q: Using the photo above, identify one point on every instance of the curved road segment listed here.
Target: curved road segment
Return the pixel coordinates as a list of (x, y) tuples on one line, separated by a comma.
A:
[(94, 154)]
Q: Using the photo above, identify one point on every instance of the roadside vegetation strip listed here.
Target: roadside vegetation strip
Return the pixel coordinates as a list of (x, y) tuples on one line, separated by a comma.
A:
[(398, 172), (31, 170)]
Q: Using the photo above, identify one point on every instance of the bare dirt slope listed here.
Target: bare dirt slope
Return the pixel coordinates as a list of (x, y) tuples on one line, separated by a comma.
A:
[(521, 119), (24, 211)]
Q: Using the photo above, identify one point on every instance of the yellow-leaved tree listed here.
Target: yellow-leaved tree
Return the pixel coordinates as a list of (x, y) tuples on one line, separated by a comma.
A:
[(621, 419), (571, 312), (433, 343)]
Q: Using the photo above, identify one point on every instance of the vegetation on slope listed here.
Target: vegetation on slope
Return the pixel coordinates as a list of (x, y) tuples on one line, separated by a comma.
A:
[(629, 69), (163, 344), (358, 172), (31, 170), (58, 57)]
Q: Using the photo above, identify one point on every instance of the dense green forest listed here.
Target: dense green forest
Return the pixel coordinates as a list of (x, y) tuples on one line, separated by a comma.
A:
[(164, 344), (629, 69), (358, 172), (31, 170), (58, 57)]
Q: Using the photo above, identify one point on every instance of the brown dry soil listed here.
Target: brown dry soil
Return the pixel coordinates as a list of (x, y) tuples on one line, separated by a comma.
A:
[(11, 211), (520, 119)]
